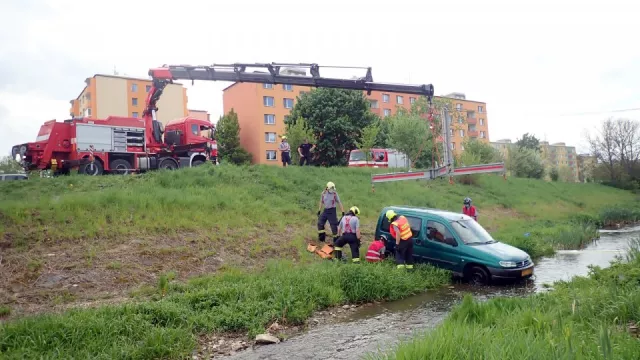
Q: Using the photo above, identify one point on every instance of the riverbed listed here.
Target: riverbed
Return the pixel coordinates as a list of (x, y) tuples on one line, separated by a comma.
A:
[(381, 326)]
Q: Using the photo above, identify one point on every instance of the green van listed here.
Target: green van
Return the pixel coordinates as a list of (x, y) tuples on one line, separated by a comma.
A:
[(456, 242)]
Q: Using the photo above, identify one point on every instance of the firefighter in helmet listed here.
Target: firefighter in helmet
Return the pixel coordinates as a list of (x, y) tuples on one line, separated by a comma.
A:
[(329, 199), (349, 233)]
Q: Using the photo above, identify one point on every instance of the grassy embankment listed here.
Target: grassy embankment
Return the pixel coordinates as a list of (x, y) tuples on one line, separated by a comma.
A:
[(594, 317), (124, 231)]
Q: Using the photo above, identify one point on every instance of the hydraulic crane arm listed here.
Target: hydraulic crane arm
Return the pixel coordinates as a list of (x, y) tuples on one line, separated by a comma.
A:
[(238, 73)]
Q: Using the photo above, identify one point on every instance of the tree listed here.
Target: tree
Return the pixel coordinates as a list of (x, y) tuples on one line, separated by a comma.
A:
[(336, 117), (553, 174), (478, 152), (409, 134), (382, 140), (616, 148), (525, 162), (228, 138), (529, 142), (10, 166), (296, 134), (368, 140)]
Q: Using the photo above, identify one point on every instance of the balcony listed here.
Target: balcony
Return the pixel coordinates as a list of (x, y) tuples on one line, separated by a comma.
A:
[(472, 120), (473, 133)]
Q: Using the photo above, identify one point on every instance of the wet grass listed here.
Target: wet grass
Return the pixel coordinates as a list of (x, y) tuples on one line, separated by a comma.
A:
[(232, 301), (235, 203), (586, 318)]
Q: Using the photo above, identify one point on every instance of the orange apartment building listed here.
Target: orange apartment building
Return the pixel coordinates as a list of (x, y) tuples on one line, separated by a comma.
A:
[(111, 95), (262, 109)]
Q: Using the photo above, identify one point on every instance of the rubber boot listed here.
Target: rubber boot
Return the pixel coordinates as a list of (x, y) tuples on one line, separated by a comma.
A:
[(337, 253), (321, 236)]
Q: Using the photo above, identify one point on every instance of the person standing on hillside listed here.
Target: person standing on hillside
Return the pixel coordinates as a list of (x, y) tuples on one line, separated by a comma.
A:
[(349, 233), (305, 152), (469, 209), (400, 230), (329, 199), (285, 151)]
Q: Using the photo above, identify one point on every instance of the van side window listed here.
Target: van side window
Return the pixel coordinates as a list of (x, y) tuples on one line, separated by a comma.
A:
[(436, 231), (414, 222)]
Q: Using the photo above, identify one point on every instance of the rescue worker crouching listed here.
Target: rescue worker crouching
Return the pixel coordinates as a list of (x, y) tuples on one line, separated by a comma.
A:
[(400, 230), (329, 199), (376, 250), (349, 233)]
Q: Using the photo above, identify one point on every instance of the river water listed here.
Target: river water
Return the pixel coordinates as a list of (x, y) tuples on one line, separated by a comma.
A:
[(381, 326)]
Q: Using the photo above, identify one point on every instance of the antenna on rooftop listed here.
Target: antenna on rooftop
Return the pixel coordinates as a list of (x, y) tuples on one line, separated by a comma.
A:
[(115, 72)]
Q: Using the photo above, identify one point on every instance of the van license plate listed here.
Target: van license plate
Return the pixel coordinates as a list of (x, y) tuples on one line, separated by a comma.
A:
[(527, 272)]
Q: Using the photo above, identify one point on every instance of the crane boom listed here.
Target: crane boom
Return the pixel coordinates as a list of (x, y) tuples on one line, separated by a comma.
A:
[(237, 72)]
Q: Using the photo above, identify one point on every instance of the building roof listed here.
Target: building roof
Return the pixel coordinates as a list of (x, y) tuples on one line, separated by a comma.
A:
[(194, 110)]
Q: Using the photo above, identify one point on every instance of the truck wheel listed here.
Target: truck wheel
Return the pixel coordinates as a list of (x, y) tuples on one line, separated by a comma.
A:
[(197, 162), (88, 169), (477, 275), (168, 164), (120, 166)]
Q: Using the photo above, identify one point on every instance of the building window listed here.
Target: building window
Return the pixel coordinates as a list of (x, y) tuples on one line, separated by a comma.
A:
[(268, 101), (87, 112), (134, 101), (134, 87), (270, 137), (269, 119), (462, 147), (385, 98), (271, 155), (134, 114), (458, 107), (87, 96), (302, 92), (288, 103), (387, 112), (481, 121), (412, 100), (267, 86), (399, 99), (453, 146), (461, 133), (147, 88), (451, 132), (482, 135), (480, 109), (287, 87), (373, 104)]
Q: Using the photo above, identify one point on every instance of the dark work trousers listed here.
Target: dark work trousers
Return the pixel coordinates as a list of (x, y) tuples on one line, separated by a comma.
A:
[(404, 254), (354, 244), (304, 159), (286, 158), (331, 216)]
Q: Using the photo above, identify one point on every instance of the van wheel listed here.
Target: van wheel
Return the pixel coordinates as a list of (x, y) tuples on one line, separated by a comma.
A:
[(197, 163), (120, 166), (477, 275)]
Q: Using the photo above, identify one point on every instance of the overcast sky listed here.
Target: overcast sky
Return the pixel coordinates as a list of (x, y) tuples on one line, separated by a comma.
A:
[(535, 63)]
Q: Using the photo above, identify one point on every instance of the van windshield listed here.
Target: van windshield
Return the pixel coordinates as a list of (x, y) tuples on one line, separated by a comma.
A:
[(471, 233), (357, 156)]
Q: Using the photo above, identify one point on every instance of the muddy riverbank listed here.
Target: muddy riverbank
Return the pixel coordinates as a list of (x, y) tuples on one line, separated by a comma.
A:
[(380, 326)]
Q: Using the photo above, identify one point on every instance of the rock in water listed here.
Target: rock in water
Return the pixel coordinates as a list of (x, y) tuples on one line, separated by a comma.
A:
[(266, 339)]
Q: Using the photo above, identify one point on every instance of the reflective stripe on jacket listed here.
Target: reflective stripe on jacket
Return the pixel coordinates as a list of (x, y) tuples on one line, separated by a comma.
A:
[(403, 225), (374, 251)]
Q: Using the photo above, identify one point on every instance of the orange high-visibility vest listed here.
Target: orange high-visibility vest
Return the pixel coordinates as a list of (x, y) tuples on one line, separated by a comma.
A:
[(405, 229)]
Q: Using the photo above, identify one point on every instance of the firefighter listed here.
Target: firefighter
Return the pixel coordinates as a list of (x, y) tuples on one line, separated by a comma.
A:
[(349, 233), (376, 250), (469, 209), (401, 233), (329, 199)]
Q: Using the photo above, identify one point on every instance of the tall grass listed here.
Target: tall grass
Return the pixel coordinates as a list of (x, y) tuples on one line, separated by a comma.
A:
[(233, 301), (586, 318), (233, 204)]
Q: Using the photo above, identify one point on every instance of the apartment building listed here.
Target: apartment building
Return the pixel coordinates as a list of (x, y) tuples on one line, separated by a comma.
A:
[(556, 155), (199, 114), (111, 95), (263, 108)]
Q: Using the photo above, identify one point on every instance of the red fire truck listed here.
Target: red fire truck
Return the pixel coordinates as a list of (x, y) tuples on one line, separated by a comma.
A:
[(121, 145)]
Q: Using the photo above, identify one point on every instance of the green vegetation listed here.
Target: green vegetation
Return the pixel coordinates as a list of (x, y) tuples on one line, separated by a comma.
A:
[(232, 301), (587, 318), (228, 137), (235, 205)]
